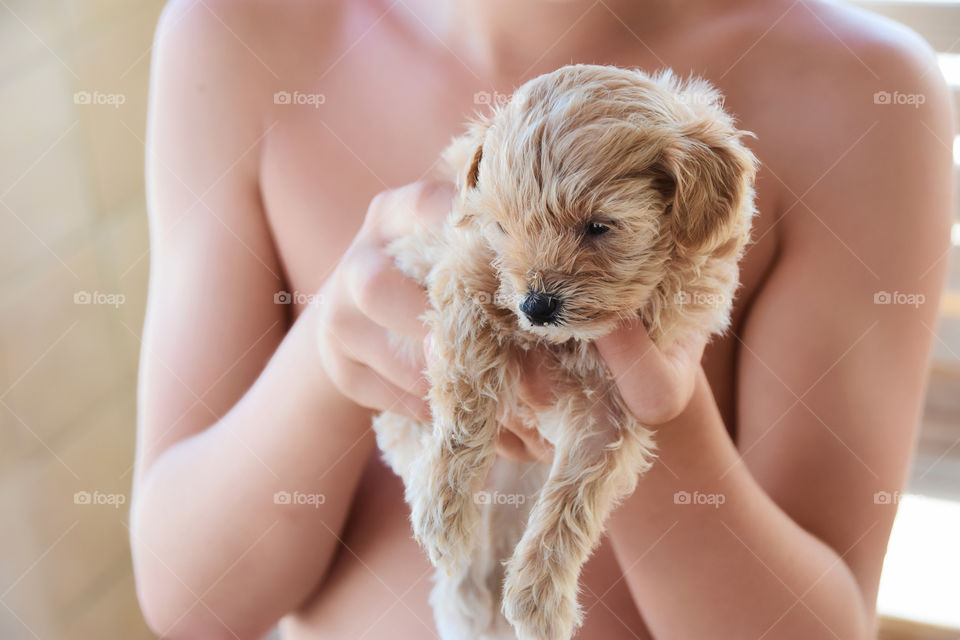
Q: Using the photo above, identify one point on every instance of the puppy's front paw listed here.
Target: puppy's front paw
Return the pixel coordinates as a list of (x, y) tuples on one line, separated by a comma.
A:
[(539, 597)]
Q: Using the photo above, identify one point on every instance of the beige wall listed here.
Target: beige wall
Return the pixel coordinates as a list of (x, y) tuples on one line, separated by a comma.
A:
[(71, 221)]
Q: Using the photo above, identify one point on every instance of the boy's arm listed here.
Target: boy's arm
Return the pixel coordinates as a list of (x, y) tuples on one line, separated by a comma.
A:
[(233, 403), (830, 383)]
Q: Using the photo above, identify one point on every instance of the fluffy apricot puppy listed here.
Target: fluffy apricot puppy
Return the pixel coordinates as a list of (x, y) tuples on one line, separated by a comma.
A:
[(594, 196)]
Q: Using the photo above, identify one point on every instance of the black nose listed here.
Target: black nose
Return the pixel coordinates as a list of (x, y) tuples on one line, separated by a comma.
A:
[(539, 307)]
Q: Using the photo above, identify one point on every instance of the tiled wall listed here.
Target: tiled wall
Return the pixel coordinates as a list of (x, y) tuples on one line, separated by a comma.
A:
[(72, 230)]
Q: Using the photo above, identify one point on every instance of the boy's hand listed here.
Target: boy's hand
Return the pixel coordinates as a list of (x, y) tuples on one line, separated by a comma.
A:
[(655, 384), (367, 299)]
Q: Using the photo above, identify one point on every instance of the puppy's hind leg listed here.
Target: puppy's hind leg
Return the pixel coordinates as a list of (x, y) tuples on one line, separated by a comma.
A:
[(468, 605), (596, 463)]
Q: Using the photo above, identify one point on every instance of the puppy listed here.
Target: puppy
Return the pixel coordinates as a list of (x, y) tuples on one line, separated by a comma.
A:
[(596, 195)]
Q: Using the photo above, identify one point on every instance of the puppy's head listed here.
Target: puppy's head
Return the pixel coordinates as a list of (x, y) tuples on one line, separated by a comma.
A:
[(604, 193)]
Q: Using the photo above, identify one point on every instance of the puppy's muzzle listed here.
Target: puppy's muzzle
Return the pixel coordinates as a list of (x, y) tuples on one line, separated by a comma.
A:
[(540, 308)]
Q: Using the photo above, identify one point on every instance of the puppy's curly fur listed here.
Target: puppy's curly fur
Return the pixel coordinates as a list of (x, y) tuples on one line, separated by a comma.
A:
[(596, 195)]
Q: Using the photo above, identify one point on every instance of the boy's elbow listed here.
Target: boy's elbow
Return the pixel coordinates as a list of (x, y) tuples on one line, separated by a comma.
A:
[(173, 610)]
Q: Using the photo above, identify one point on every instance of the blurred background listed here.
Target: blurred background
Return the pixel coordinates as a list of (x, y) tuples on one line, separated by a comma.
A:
[(72, 232), (73, 273)]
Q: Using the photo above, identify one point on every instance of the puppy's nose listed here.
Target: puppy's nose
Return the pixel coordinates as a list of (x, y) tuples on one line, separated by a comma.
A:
[(539, 307)]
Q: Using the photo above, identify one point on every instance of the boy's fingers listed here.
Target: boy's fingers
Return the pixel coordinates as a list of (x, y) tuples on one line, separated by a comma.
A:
[(397, 213), (509, 445), (367, 342), (519, 442), (536, 388), (369, 389), (656, 386), (687, 354), (386, 295)]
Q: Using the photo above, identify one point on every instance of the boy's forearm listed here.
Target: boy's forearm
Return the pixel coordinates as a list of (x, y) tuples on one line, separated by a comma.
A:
[(706, 553), (211, 521)]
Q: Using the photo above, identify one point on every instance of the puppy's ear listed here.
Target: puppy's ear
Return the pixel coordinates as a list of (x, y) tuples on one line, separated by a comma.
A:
[(473, 172), (463, 158), (707, 178)]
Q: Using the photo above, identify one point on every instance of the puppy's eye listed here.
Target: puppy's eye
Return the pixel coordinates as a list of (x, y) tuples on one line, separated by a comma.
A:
[(501, 229), (596, 229)]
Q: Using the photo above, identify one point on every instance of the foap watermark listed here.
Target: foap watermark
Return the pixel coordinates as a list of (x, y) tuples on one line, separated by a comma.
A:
[(702, 99), (298, 498), (298, 297), (100, 298), (899, 298), (886, 497), (494, 98), (498, 298), (299, 98), (99, 98), (700, 298), (115, 500), (495, 497), (696, 498), (910, 99)]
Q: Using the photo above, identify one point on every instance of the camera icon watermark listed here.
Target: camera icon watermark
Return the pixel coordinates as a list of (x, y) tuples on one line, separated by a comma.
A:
[(99, 98), (491, 97), (501, 299), (99, 298), (699, 298), (87, 498), (886, 497), (299, 98), (899, 298), (298, 297), (702, 99), (714, 500), (497, 498), (298, 498), (896, 98), (483, 298)]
